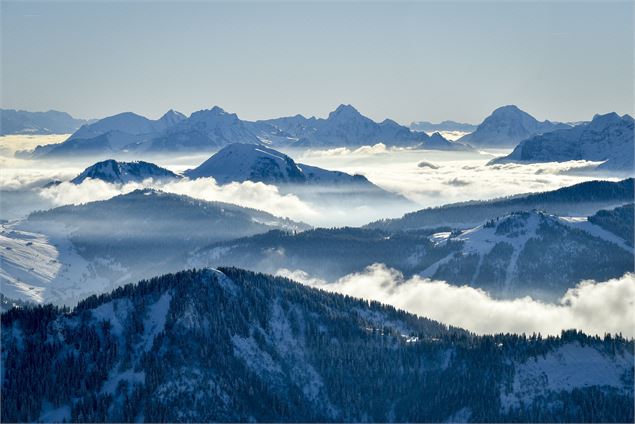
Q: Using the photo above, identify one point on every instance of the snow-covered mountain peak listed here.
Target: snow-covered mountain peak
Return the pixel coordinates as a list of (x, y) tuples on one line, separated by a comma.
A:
[(115, 172), (345, 112), (437, 137), (507, 126), (212, 117), (172, 117), (508, 110)]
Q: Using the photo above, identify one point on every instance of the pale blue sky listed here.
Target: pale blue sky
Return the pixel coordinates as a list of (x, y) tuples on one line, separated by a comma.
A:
[(407, 61)]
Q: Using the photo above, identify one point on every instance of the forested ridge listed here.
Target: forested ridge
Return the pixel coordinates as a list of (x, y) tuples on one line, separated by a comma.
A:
[(203, 345)]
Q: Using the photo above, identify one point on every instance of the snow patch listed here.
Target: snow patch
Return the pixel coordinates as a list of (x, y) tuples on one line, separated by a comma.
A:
[(155, 320), (569, 367)]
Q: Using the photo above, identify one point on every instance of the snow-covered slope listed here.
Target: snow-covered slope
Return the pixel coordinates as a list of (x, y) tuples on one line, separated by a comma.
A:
[(532, 253), (506, 127), (229, 345), (112, 171), (45, 268), (607, 138), (570, 367)]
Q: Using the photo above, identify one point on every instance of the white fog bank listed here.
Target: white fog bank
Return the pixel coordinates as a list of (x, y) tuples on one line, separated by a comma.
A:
[(593, 307)]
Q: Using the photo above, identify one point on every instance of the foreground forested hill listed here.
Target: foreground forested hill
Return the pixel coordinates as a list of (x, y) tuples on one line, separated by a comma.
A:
[(231, 345)]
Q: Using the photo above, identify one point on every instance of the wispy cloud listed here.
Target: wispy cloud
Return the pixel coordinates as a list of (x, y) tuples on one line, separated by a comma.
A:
[(248, 194)]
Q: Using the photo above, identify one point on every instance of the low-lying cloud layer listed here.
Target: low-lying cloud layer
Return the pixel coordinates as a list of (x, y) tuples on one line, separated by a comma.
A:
[(433, 178), (445, 177), (594, 307)]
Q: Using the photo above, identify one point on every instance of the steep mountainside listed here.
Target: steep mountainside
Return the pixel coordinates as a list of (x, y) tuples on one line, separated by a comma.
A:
[(576, 200), (608, 138), (64, 254), (115, 172), (233, 346), (506, 127), (51, 122), (511, 256)]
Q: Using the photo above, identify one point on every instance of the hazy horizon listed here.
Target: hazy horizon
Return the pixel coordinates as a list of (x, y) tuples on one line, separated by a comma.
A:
[(414, 61)]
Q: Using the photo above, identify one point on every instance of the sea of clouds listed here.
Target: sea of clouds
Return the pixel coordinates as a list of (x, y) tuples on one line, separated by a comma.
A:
[(427, 178)]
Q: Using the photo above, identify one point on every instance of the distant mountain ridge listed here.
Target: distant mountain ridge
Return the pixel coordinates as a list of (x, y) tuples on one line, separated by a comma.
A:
[(608, 138), (506, 127), (38, 123), (114, 172), (211, 129), (346, 127), (430, 127)]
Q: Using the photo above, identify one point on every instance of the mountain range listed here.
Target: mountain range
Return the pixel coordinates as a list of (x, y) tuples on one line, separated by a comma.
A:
[(229, 345), (430, 127), (607, 138), (64, 253), (506, 127), (239, 162), (38, 123), (207, 130)]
